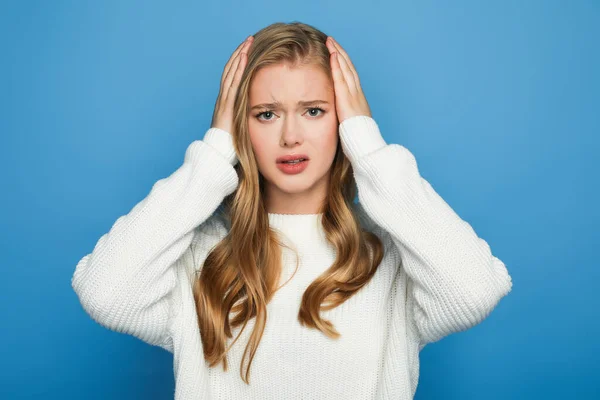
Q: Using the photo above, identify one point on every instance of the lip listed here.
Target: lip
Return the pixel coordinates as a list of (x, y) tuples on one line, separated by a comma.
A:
[(292, 169), (290, 157)]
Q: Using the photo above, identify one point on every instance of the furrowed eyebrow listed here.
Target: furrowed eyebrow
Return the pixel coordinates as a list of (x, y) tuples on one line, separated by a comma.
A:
[(277, 105)]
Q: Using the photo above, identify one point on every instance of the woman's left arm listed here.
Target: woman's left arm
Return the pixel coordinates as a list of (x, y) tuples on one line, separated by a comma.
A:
[(456, 281)]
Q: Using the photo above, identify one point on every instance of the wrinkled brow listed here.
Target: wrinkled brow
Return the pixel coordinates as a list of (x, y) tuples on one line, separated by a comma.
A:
[(277, 105)]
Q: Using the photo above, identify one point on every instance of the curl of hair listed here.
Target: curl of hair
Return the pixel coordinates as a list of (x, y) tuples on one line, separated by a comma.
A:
[(241, 273)]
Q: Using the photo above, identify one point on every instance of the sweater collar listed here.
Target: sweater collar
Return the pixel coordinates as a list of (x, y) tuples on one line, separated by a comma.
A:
[(301, 229)]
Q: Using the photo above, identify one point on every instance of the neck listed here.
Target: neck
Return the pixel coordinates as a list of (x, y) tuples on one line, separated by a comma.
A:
[(308, 201)]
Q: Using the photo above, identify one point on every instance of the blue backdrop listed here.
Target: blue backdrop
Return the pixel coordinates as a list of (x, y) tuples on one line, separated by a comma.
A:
[(499, 102)]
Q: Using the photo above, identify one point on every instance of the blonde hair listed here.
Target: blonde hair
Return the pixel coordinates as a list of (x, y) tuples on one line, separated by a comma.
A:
[(242, 272)]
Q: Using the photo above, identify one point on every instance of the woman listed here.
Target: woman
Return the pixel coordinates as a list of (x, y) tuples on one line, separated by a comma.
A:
[(243, 229)]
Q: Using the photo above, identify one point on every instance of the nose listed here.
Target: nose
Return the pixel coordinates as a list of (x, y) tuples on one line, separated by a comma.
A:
[(292, 133)]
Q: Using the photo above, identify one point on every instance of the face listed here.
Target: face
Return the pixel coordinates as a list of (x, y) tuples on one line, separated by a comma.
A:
[(291, 125)]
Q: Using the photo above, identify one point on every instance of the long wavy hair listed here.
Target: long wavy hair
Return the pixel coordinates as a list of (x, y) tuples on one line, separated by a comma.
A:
[(241, 273)]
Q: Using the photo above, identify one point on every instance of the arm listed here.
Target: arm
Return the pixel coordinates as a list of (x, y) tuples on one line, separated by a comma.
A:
[(126, 282), (454, 280)]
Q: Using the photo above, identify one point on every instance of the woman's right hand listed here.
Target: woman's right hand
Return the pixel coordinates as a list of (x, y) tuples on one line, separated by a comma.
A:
[(232, 73)]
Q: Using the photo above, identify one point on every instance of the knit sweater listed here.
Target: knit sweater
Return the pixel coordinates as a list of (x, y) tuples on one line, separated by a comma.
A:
[(437, 277)]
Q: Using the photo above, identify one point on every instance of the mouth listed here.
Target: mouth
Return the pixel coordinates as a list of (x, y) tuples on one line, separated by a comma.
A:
[(292, 159), (293, 166)]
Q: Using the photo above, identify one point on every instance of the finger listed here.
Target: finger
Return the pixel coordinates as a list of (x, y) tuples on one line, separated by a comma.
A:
[(336, 71), (348, 77), (339, 81), (347, 66), (227, 82), (226, 88), (334, 49), (231, 60), (233, 56), (349, 63), (236, 77)]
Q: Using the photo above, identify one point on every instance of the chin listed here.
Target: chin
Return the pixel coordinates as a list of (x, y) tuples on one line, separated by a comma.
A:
[(293, 186)]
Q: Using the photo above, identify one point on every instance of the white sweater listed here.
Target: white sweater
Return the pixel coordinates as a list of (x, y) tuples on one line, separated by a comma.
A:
[(437, 277)]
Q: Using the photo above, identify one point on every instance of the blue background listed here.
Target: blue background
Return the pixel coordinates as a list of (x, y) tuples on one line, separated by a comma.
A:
[(499, 102)]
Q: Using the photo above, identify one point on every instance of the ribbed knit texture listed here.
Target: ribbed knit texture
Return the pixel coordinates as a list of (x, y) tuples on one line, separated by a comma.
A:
[(437, 277)]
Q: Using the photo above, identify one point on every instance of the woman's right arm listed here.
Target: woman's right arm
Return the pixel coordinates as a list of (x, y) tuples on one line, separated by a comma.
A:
[(126, 282)]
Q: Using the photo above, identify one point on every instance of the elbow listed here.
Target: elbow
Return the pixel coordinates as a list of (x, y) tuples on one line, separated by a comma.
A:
[(94, 297), (494, 286), (460, 309)]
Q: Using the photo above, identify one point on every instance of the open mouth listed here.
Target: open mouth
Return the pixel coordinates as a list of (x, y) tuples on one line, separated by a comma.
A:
[(293, 166), (293, 161)]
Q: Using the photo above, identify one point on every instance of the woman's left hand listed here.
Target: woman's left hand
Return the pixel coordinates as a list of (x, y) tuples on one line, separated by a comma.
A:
[(350, 100)]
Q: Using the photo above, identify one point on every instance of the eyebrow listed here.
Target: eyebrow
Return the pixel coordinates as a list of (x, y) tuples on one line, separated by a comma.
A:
[(277, 105)]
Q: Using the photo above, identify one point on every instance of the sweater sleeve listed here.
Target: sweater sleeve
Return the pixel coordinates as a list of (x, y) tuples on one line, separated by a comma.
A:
[(125, 283), (454, 279)]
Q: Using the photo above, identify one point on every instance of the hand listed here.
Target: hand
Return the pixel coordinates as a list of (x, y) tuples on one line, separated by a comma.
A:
[(232, 73), (349, 97)]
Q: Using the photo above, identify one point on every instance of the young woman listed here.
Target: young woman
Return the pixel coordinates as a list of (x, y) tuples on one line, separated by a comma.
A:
[(260, 220)]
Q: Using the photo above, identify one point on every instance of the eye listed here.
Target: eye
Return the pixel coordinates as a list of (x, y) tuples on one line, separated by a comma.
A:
[(268, 114), (264, 113), (316, 109)]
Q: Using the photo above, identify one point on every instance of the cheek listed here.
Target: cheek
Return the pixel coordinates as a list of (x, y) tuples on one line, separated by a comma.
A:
[(324, 147), (329, 142), (262, 152)]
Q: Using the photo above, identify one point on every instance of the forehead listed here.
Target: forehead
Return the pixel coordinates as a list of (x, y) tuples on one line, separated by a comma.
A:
[(282, 82)]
